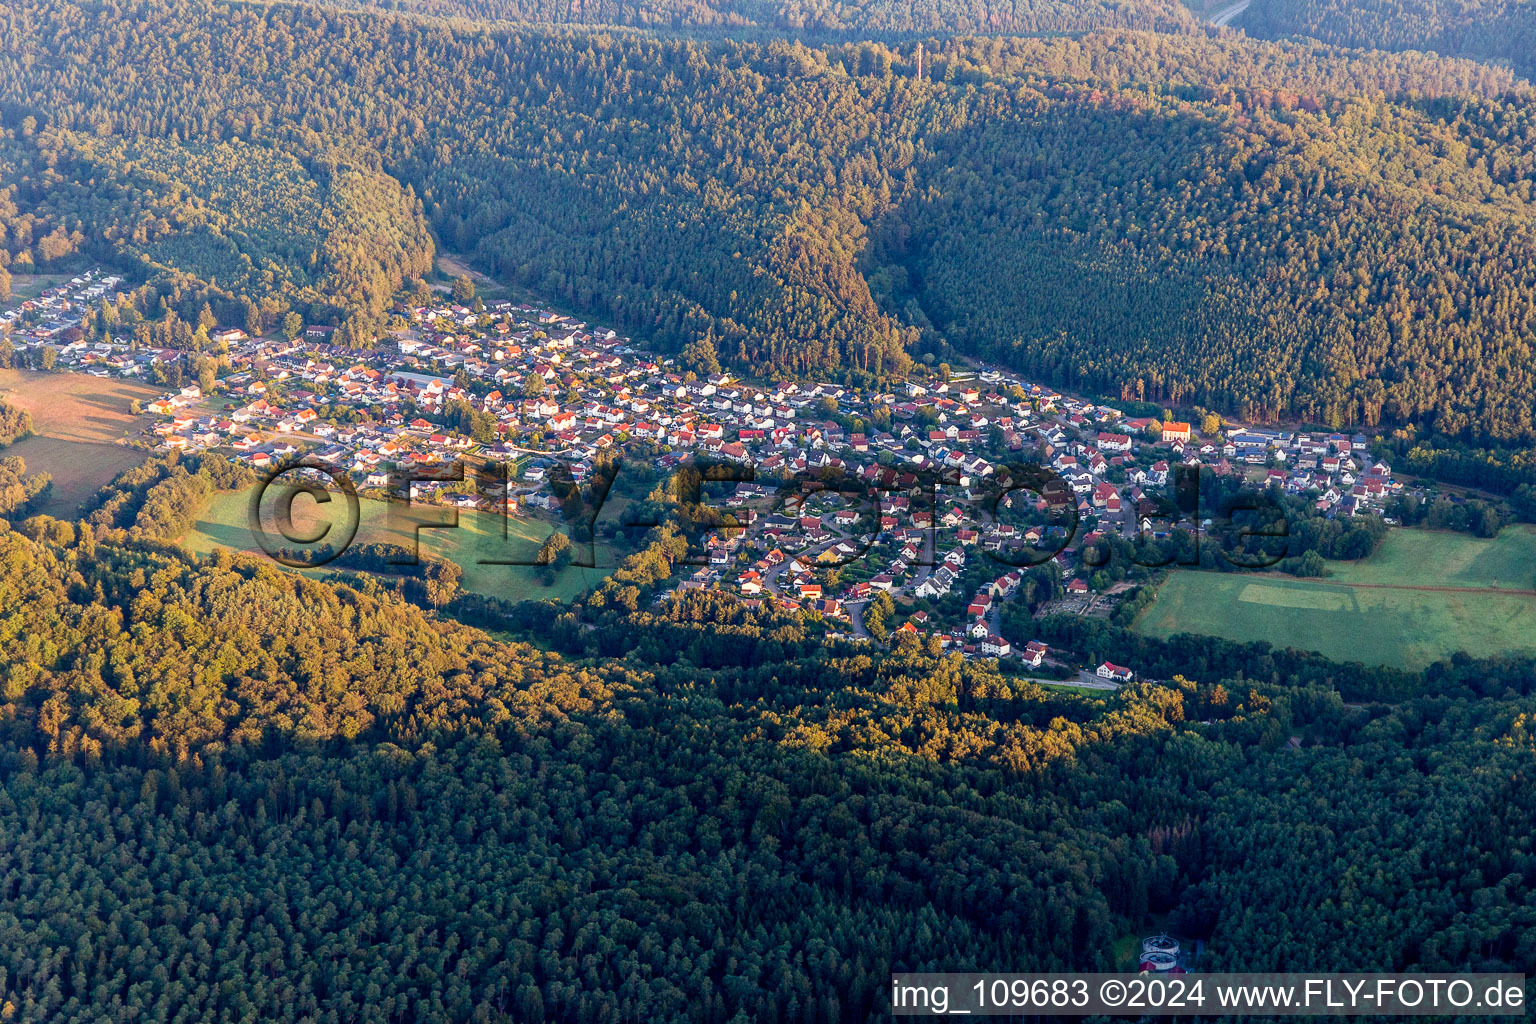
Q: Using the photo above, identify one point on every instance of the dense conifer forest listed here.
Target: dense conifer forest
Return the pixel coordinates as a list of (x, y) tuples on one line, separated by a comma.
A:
[(1282, 230), (1501, 31), (867, 17), (234, 792)]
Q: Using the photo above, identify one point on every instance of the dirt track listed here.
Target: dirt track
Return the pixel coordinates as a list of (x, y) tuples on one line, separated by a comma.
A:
[(1224, 17)]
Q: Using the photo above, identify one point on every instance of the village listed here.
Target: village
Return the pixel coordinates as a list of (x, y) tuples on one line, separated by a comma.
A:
[(531, 387)]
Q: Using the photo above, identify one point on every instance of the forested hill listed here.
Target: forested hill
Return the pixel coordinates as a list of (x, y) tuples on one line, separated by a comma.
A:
[(1497, 30), (1275, 230), (233, 793), (214, 214), (819, 17)]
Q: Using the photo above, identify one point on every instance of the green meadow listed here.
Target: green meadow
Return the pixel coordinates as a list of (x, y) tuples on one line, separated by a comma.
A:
[(1369, 611), (478, 541), (1424, 558)]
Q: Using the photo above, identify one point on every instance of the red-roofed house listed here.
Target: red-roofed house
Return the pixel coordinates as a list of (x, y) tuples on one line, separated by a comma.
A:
[(1175, 430)]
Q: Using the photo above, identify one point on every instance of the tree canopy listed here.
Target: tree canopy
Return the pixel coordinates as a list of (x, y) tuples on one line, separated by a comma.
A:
[(1279, 230)]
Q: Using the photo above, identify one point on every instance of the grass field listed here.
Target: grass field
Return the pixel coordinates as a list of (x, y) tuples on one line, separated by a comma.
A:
[(1369, 611), (78, 419), (1423, 558), (451, 265), (226, 523), (30, 286)]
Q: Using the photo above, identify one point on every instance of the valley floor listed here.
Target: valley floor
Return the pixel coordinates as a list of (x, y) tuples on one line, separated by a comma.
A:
[(1422, 596)]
